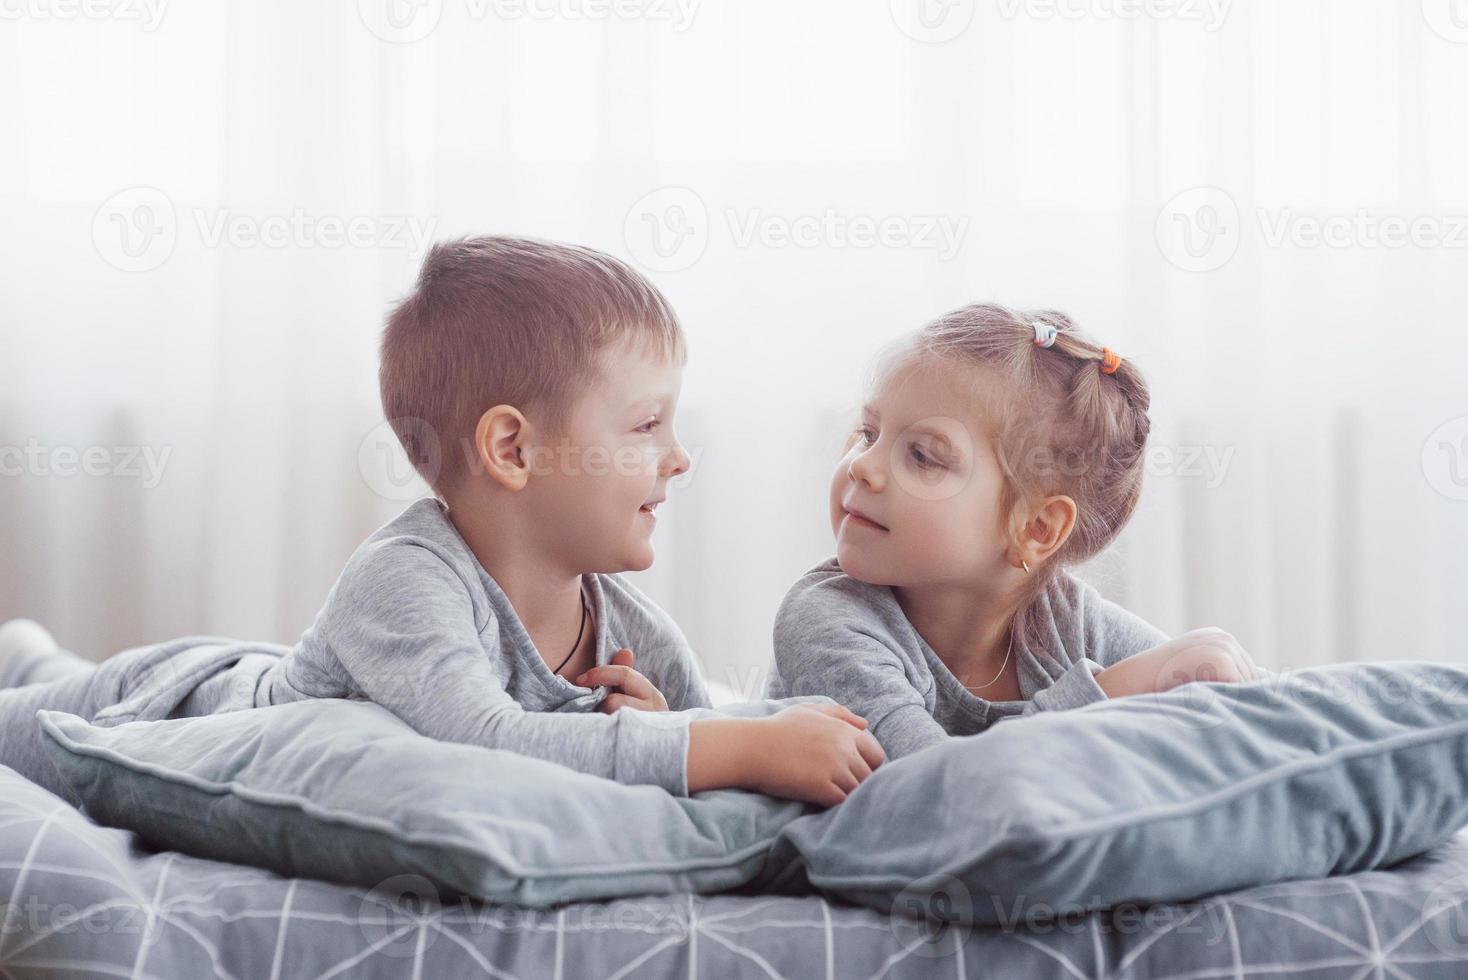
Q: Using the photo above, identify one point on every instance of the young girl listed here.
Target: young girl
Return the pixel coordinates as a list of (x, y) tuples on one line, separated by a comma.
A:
[(995, 449)]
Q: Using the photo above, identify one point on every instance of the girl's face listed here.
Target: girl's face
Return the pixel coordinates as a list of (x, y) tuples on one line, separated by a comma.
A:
[(916, 499)]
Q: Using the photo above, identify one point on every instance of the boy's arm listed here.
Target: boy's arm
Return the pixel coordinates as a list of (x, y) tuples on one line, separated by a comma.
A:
[(403, 627)]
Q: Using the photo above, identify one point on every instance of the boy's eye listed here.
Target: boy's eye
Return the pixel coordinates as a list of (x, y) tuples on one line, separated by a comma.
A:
[(649, 425), (867, 434)]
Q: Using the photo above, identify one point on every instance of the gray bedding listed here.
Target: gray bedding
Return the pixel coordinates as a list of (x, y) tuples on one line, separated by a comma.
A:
[(86, 901)]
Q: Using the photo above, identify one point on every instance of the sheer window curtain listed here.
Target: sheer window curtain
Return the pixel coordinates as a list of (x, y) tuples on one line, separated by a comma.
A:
[(208, 215)]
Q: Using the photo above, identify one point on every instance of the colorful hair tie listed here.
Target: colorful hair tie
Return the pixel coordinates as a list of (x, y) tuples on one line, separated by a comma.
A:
[(1110, 360), (1045, 333)]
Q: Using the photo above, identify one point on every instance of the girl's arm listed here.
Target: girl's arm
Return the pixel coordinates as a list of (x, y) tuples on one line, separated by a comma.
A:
[(1207, 654), (827, 645)]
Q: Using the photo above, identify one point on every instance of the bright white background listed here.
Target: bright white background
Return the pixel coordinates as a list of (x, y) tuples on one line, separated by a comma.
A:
[(1264, 204)]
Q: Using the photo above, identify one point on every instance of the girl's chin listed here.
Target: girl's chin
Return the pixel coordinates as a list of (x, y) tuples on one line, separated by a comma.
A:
[(859, 565)]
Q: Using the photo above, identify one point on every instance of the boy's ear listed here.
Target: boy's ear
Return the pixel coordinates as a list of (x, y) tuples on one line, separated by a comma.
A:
[(1042, 532), (502, 445)]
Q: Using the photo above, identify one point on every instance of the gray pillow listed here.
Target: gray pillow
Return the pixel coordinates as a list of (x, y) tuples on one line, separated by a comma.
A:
[(1203, 789), (1207, 788), (344, 791)]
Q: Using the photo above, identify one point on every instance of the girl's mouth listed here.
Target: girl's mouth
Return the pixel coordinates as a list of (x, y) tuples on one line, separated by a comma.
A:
[(858, 520)]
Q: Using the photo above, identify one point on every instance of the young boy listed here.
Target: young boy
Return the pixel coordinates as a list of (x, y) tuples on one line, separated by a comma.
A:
[(533, 386)]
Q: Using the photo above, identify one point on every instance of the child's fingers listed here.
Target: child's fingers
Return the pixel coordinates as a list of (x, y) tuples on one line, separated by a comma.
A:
[(623, 657), (613, 701), (842, 712), (616, 675), (871, 750)]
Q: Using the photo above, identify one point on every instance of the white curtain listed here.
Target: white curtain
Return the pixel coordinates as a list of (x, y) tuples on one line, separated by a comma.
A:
[(209, 208)]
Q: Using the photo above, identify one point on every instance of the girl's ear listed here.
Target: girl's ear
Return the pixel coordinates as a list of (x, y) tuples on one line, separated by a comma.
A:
[(502, 446), (1042, 532)]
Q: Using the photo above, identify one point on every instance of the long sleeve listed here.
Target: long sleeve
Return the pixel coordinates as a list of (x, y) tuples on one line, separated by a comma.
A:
[(403, 626), (1094, 633), (818, 652)]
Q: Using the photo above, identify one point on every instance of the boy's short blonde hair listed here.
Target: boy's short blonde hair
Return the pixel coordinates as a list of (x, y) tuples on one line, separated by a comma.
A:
[(501, 320)]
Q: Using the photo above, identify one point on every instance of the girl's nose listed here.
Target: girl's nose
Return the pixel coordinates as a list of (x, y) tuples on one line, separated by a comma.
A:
[(864, 469)]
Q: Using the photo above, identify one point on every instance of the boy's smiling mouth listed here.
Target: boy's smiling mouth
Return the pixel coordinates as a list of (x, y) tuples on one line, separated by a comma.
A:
[(651, 507)]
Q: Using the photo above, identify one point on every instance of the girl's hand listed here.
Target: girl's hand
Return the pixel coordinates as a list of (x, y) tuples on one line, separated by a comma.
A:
[(1207, 654), (630, 689)]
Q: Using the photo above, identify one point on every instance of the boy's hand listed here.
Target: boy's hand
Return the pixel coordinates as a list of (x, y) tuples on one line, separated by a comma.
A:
[(1207, 654), (630, 689), (815, 753)]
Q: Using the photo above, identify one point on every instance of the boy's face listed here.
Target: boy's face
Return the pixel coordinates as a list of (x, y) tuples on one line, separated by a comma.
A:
[(925, 485), (597, 484)]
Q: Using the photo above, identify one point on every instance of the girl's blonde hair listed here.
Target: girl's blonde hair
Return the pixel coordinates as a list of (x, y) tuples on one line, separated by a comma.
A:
[(1058, 424)]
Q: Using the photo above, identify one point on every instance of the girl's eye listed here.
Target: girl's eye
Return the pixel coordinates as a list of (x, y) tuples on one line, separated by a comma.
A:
[(868, 434), (922, 459), (649, 425)]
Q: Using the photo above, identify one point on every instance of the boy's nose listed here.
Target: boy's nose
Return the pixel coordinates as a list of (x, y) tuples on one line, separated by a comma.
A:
[(676, 461)]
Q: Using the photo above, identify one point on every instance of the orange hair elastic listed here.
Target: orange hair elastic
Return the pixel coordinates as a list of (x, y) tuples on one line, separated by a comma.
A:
[(1110, 360)]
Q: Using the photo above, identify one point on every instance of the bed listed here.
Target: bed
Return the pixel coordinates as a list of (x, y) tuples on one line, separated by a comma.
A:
[(88, 901)]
